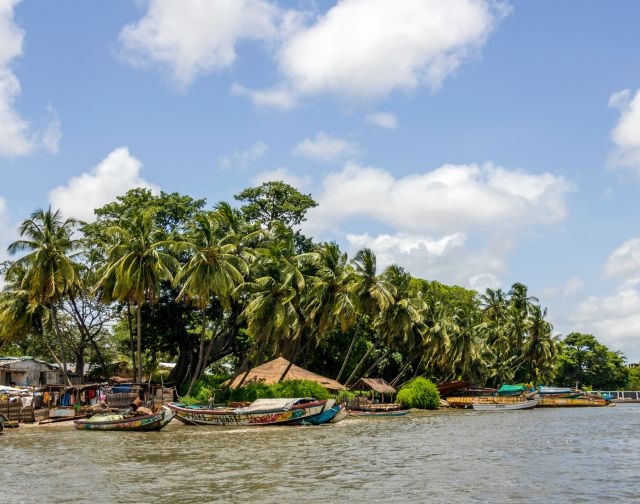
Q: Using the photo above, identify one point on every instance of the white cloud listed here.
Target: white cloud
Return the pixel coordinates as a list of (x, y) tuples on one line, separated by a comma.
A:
[(240, 160), (626, 134), (451, 198), (382, 119), (16, 135), (280, 97), (365, 49), (448, 258), (300, 182), (115, 175), (625, 260), (326, 147), (6, 232), (613, 319), (193, 37), (570, 288)]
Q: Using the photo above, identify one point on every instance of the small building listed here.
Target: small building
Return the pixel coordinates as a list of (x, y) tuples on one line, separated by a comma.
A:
[(375, 386), (270, 373), (27, 371)]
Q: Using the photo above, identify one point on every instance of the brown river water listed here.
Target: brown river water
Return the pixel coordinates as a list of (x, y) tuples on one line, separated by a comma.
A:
[(542, 455)]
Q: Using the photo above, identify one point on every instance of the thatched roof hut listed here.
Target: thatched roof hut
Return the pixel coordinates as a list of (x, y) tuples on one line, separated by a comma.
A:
[(270, 373), (378, 385)]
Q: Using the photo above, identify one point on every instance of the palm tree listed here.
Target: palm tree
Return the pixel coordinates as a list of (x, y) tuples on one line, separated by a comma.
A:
[(539, 348), (370, 292), (398, 319), (50, 272), (136, 265), (213, 269)]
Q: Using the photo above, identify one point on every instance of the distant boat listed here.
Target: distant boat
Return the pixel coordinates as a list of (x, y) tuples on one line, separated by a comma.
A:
[(390, 413), (501, 406), (153, 422), (259, 412)]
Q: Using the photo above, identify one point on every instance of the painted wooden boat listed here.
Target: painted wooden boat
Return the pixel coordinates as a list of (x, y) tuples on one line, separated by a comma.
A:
[(259, 412), (391, 413), (153, 422), (340, 415), (568, 402), (502, 406), (331, 409)]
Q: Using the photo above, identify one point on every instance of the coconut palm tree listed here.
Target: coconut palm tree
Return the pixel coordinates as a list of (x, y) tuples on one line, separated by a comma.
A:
[(370, 292), (539, 348), (49, 270), (214, 269), (137, 262)]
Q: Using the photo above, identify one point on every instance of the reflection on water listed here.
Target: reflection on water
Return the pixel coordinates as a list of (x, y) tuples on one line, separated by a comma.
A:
[(543, 455)]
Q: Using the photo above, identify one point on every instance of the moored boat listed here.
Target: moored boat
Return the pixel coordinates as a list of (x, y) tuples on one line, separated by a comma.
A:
[(389, 413), (259, 412), (119, 422), (330, 410), (340, 415), (505, 406)]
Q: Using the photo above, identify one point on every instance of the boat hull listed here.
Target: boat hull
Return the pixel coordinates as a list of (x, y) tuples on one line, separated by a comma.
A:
[(566, 402), (227, 416), (395, 413), (501, 406), (144, 423), (340, 416)]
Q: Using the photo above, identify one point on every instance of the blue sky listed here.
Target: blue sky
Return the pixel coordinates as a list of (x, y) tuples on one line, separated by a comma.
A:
[(474, 142)]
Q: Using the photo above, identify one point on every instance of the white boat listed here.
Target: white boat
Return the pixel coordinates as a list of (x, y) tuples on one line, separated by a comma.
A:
[(489, 406), (341, 415)]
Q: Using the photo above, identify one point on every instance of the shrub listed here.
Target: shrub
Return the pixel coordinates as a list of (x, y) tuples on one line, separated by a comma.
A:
[(204, 389), (287, 388), (419, 393)]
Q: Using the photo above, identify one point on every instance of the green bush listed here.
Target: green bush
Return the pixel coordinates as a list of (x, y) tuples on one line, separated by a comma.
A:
[(419, 393), (204, 389), (287, 388)]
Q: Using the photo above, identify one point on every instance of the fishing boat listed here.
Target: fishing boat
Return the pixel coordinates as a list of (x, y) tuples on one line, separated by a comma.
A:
[(259, 412), (340, 415), (121, 422), (382, 413), (2, 420), (330, 410), (503, 406)]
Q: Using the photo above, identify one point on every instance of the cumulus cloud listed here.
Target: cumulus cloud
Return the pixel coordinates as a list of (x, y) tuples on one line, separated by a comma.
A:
[(367, 49), (326, 147), (17, 137), (300, 182), (614, 319), (279, 97), (115, 175), (7, 232), (448, 258), (449, 198), (626, 134), (625, 260), (193, 37), (385, 120), (240, 160)]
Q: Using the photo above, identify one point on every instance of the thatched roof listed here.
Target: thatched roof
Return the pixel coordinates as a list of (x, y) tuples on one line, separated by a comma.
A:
[(379, 385), (270, 373)]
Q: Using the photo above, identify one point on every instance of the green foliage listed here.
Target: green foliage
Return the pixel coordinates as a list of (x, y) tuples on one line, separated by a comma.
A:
[(583, 359), (209, 386), (419, 393), (287, 388), (633, 381), (275, 202)]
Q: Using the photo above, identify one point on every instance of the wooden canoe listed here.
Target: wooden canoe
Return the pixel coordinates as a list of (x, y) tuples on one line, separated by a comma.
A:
[(153, 422), (502, 406), (340, 416), (565, 402), (259, 413), (391, 413)]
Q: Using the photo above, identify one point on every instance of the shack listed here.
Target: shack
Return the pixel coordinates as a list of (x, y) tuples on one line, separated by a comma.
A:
[(27, 372), (270, 373), (375, 386)]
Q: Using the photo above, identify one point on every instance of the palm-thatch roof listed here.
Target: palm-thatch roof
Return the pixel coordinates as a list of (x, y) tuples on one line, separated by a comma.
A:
[(379, 385), (270, 373)]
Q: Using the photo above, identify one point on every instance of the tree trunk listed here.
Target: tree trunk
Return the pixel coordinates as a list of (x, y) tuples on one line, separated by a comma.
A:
[(384, 356), (360, 364), (402, 371), (131, 347), (203, 333), (139, 331), (53, 355), (56, 330), (346, 357)]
